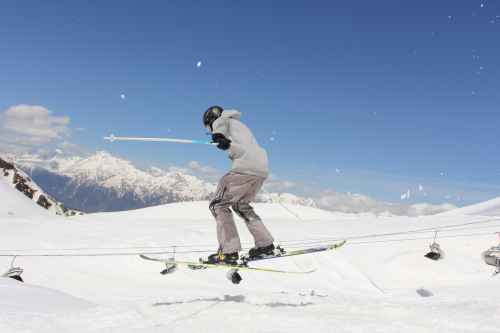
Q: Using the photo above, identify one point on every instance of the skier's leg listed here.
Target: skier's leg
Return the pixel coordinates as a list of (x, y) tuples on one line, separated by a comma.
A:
[(227, 234), (260, 233)]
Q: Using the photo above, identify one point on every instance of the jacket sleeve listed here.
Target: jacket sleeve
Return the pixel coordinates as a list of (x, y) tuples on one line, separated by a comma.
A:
[(221, 125)]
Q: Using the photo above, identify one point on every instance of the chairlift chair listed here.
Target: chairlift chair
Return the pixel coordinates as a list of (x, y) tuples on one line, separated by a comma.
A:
[(435, 253), (14, 272), (170, 266), (492, 257)]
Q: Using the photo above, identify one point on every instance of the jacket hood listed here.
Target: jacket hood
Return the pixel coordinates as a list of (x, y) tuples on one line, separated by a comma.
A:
[(231, 113)]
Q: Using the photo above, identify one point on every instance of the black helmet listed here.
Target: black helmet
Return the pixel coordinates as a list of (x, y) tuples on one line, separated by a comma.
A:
[(211, 115)]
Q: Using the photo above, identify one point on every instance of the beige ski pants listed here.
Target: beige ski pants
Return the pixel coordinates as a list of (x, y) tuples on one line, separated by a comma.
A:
[(236, 191)]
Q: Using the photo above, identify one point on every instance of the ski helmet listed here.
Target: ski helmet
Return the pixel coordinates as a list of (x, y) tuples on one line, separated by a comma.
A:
[(211, 115)]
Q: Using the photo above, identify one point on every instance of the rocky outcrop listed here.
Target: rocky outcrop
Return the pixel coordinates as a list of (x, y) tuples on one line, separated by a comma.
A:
[(24, 184)]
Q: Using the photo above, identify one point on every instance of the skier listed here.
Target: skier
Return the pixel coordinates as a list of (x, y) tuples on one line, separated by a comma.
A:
[(238, 187)]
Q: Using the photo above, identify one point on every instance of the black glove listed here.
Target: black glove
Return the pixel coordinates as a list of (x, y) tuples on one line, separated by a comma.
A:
[(222, 142)]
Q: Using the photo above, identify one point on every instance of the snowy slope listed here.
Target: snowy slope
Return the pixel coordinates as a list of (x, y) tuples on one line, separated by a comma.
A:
[(487, 208), (373, 284), (22, 298), (10, 176), (14, 202)]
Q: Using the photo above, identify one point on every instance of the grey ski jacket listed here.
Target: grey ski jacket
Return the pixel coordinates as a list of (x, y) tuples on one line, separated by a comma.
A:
[(247, 156)]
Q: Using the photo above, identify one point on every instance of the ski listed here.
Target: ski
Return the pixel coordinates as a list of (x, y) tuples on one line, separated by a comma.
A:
[(244, 260), (193, 265), (280, 253)]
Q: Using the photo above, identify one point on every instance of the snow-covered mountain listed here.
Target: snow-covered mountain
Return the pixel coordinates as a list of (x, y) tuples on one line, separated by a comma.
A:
[(103, 182), (19, 180)]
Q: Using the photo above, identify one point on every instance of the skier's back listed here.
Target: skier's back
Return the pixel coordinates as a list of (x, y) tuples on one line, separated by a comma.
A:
[(239, 187)]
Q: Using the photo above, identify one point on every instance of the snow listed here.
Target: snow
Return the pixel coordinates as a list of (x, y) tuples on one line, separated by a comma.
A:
[(23, 298), (488, 208), (14, 203), (7, 183), (381, 284)]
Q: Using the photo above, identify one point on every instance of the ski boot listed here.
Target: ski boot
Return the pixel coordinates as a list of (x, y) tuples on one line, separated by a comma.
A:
[(261, 252), (223, 258)]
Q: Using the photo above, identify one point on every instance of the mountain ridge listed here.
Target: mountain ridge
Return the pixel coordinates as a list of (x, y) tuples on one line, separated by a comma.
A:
[(103, 182)]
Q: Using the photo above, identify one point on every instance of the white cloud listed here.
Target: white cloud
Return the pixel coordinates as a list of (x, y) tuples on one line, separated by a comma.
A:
[(197, 167), (206, 173), (347, 203), (279, 186), (32, 125), (358, 203), (177, 169)]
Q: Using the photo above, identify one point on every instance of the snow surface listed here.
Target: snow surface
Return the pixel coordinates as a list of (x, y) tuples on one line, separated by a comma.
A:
[(13, 201), (487, 208), (370, 285)]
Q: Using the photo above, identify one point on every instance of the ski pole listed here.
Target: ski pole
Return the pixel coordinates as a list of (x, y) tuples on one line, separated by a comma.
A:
[(113, 138)]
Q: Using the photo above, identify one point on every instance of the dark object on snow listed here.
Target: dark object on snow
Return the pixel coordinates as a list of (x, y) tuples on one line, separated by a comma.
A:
[(21, 185), (424, 292), (223, 143), (6, 165), (234, 276), (42, 201)]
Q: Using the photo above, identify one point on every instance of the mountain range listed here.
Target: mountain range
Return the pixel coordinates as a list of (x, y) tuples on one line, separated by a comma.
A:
[(103, 182)]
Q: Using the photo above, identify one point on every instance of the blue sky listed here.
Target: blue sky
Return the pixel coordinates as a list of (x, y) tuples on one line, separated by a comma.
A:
[(374, 97)]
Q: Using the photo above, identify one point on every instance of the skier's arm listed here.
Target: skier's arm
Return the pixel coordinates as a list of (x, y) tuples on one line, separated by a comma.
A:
[(221, 126)]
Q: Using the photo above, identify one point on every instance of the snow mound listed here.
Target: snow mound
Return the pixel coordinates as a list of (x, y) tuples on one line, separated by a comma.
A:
[(487, 208), (200, 210), (21, 298)]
